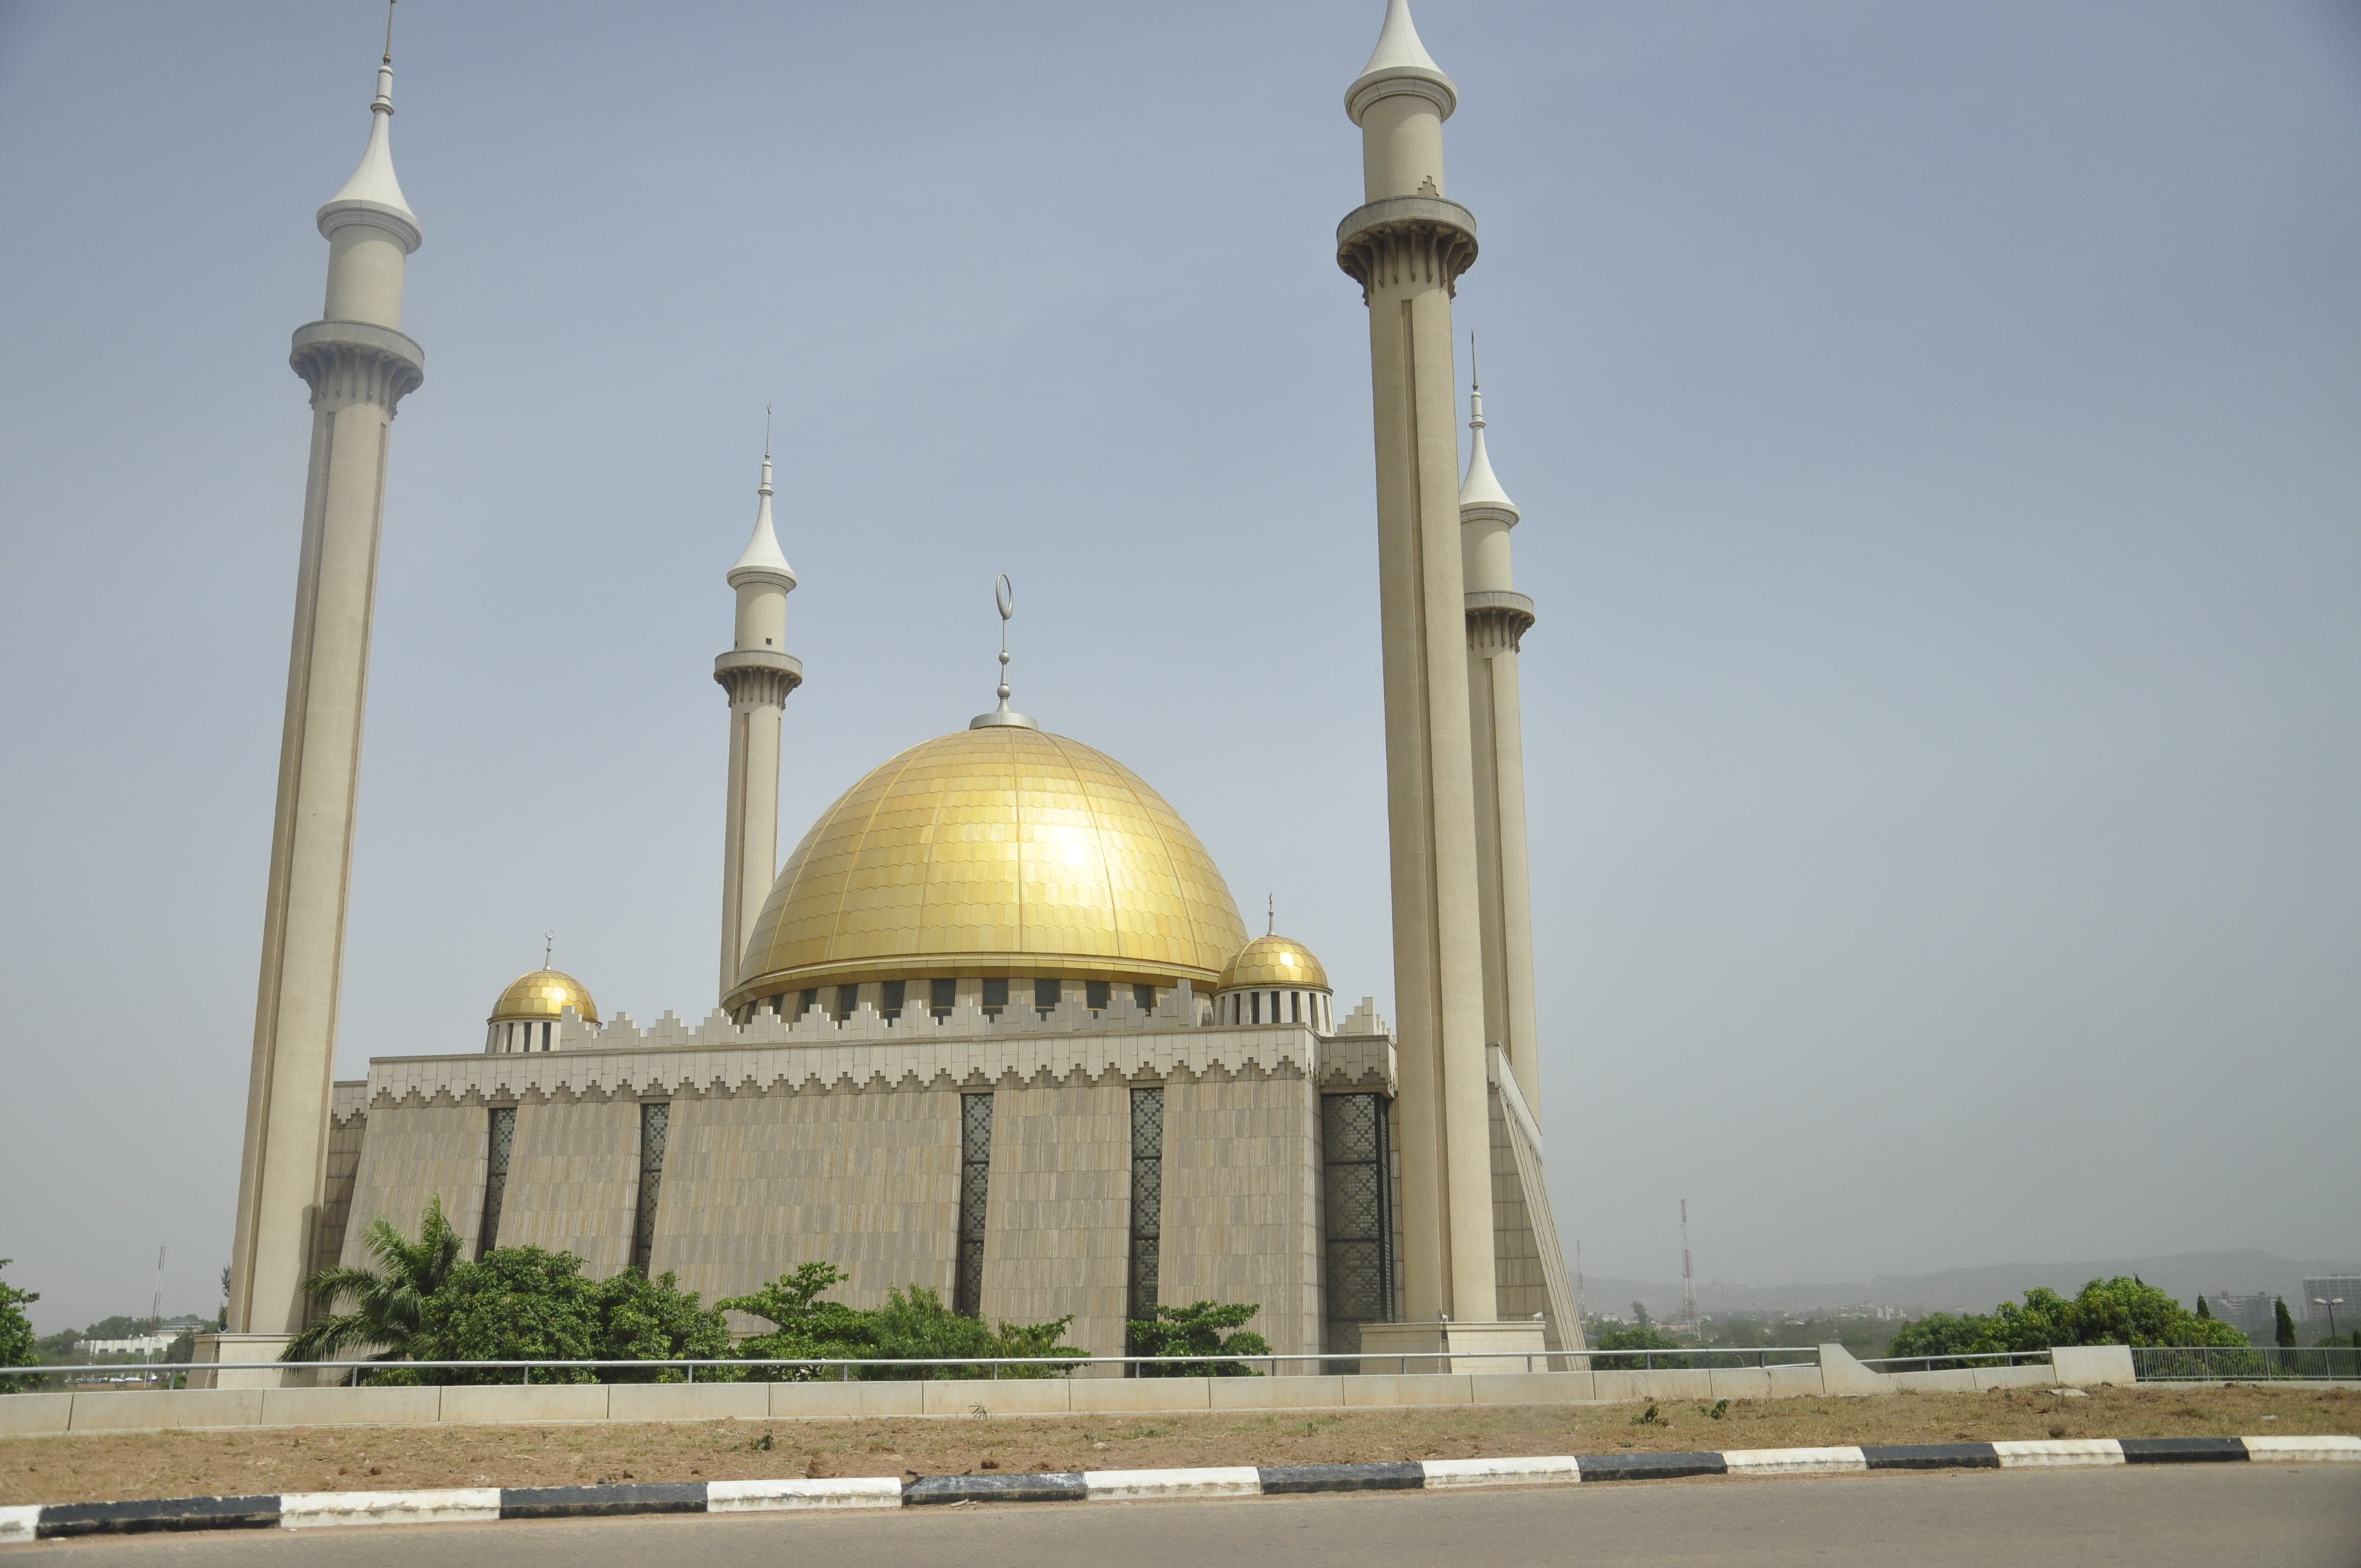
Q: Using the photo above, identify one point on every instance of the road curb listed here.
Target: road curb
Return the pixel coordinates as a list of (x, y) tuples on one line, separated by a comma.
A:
[(308, 1510)]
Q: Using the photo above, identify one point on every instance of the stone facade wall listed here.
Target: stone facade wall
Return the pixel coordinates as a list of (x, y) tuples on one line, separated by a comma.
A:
[(841, 1144), (1242, 1203), (411, 1153), (755, 1184), (1058, 1221), (1516, 1252), (348, 1129), (574, 1182)]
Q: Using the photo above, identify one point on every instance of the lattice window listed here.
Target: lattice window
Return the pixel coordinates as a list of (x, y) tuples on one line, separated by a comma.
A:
[(496, 1145), (975, 1193), (1146, 1199), (655, 1121), (1358, 1206)]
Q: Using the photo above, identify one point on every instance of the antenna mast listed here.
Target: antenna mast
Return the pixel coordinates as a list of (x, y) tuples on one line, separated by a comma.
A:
[(1688, 1274)]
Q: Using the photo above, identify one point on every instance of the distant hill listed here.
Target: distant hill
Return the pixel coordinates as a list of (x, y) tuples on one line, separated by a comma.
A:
[(1976, 1289)]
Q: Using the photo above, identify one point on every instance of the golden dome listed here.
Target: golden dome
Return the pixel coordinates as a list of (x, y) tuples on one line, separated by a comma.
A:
[(1274, 961), (543, 993), (1004, 850)]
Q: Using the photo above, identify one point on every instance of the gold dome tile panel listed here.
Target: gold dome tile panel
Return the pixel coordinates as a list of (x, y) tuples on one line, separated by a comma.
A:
[(1277, 961), (1000, 850), (543, 993)]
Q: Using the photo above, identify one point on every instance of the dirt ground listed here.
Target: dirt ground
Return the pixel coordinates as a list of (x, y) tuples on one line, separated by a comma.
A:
[(326, 1459)]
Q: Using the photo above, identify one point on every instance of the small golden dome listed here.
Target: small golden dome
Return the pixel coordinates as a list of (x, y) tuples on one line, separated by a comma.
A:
[(996, 852), (543, 993), (1280, 962)]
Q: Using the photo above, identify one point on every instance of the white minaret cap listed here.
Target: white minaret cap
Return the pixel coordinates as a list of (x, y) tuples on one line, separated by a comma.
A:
[(763, 561), (373, 194), (1481, 495), (1400, 64)]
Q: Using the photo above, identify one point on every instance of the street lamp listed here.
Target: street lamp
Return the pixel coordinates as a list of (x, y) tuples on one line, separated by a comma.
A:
[(2332, 1303)]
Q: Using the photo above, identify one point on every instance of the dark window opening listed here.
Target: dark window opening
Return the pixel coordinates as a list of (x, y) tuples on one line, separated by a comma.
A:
[(941, 996), (1144, 998), (1095, 994), (893, 996), (975, 1191), (995, 997), (655, 1121), (502, 1140), (810, 1000), (1357, 1204), (1046, 996), (847, 1000), (1147, 1199)]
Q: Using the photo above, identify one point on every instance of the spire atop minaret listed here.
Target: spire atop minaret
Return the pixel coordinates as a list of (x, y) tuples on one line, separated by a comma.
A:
[(762, 558), (1004, 596), (1400, 59), (374, 181), (1482, 491)]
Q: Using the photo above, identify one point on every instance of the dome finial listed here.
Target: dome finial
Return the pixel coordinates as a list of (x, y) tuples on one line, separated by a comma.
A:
[(1481, 490), (762, 558), (1004, 597), (1400, 63), (548, 938), (1270, 914), (373, 184)]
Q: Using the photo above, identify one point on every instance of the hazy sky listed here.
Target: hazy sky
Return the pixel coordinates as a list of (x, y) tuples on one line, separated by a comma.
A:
[(1938, 432)]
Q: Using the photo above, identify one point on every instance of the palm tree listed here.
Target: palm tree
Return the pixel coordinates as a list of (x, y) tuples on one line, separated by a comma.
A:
[(388, 1301)]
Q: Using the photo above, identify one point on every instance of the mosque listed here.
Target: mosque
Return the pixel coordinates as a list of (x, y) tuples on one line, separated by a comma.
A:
[(995, 1026)]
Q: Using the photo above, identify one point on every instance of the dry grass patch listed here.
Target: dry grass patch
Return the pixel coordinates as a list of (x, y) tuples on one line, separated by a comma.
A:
[(324, 1459)]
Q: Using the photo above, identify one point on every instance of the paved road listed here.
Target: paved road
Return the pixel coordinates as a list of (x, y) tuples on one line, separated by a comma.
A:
[(2291, 1516)]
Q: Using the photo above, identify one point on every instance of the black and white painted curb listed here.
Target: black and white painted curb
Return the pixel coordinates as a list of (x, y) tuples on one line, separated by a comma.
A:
[(478, 1505)]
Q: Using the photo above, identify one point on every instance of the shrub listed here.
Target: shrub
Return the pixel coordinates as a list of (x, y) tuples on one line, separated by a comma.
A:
[(18, 1346), (1201, 1328), (913, 1324), (2107, 1311)]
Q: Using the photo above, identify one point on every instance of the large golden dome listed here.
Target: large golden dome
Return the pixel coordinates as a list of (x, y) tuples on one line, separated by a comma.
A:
[(1001, 851), (543, 993)]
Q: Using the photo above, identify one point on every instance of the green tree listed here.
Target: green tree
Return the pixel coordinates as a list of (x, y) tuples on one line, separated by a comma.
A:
[(2202, 1310), (1948, 1333), (2107, 1311), (1200, 1329), (1636, 1336), (2282, 1326), (389, 1302), (18, 1346), (803, 1327), (912, 1325), (654, 1320), (515, 1304)]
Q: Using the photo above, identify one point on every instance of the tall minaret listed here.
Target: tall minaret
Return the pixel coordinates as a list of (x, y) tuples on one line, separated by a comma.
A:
[(758, 675), (359, 365), (1497, 617), (1406, 247)]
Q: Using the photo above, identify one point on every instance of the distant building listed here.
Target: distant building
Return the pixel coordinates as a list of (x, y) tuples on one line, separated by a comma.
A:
[(142, 1345), (2250, 1314), (2345, 1288)]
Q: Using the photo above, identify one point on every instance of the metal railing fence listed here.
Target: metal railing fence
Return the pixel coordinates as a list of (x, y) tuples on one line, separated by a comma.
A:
[(2243, 1363), (883, 1368), (1961, 1362)]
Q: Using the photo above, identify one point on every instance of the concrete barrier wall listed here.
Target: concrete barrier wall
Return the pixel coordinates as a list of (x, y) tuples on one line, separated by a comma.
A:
[(27, 1415)]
